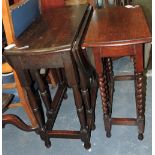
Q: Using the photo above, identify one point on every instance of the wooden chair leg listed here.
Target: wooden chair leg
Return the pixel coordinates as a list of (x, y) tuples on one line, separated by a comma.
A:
[(24, 100)]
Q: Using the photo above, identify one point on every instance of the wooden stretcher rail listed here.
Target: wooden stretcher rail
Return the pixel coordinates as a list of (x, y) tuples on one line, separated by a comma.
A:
[(124, 121), (56, 104), (64, 134), (124, 77)]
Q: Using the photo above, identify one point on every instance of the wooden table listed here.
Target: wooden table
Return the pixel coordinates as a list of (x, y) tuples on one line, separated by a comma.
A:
[(117, 32), (52, 42)]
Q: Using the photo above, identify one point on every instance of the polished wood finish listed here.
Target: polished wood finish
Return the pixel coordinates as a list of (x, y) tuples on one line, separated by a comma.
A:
[(52, 46), (48, 24), (111, 30), (116, 32)]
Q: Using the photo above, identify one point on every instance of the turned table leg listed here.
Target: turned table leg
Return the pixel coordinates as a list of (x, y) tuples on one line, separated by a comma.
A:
[(84, 87), (93, 93), (35, 104), (105, 103), (72, 77), (110, 79), (104, 91), (140, 84), (61, 79), (85, 137), (36, 110), (88, 84), (45, 95)]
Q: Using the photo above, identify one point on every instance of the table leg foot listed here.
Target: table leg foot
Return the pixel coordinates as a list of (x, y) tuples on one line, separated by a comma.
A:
[(65, 96), (87, 146), (108, 134), (140, 136), (93, 126), (105, 100), (48, 143)]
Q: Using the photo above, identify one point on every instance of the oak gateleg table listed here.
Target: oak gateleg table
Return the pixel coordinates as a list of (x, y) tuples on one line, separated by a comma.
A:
[(53, 41), (116, 32)]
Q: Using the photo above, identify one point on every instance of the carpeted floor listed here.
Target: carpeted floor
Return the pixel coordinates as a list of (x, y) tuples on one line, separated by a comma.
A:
[(124, 138)]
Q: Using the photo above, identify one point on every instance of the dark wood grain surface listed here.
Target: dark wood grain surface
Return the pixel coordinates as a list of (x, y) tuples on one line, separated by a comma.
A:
[(56, 27), (117, 26)]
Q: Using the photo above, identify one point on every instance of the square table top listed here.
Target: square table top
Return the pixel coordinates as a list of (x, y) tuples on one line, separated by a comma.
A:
[(116, 26), (56, 28)]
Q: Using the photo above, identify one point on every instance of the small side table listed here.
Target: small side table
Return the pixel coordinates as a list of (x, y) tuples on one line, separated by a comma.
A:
[(117, 32), (50, 42)]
